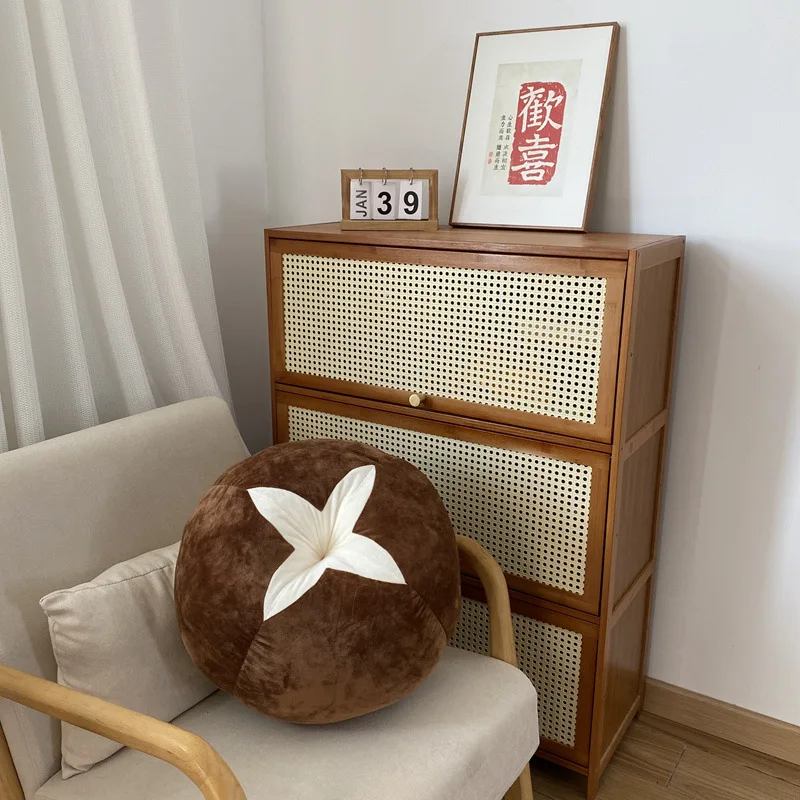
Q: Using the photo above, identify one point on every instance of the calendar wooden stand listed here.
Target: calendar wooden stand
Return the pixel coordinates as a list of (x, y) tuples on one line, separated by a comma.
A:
[(427, 205)]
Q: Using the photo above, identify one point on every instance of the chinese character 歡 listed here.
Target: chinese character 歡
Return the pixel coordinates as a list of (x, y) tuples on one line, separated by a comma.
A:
[(537, 111)]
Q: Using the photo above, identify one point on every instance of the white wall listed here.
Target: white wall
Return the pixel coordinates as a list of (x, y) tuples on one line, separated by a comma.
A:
[(223, 49), (703, 141)]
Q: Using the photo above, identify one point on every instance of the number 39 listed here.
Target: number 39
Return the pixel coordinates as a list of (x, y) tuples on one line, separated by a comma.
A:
[(409, 208)]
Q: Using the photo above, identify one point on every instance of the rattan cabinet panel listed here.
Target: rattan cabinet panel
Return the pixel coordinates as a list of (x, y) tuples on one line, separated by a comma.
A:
[(539, 509), (531, 343), (558, 654)]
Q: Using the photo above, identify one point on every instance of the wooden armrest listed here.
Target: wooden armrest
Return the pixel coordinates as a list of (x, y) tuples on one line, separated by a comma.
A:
[(501, 627), (193, 756)]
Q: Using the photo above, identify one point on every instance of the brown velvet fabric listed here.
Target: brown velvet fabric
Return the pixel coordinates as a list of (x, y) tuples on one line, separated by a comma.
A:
[(349, 645)]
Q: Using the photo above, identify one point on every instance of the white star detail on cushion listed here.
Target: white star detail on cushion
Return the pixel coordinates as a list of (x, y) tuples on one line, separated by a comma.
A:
[(322, 539)]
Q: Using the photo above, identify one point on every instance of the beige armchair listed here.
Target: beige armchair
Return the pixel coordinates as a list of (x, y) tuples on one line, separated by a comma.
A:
[(71, 507)]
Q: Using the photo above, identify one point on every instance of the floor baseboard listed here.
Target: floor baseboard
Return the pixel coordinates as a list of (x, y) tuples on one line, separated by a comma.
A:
[(731, 723)]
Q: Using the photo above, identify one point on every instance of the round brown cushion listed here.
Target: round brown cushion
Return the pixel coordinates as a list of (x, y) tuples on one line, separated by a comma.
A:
[(318, 580)]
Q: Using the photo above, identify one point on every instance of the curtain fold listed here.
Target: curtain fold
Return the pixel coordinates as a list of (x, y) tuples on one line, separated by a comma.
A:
[(106, 300)]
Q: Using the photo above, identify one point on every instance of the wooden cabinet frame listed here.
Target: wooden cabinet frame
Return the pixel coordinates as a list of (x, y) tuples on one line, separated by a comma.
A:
[(627, 444)]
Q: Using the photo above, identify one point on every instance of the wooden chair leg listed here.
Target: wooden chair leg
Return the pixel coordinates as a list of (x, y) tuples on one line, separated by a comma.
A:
[(522, 788), (9, 782)]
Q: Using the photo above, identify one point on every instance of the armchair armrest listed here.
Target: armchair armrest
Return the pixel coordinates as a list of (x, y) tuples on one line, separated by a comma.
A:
[(193, 756), (501, 629)]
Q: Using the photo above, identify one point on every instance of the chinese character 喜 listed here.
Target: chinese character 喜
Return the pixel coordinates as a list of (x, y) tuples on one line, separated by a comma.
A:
[(534, 153)]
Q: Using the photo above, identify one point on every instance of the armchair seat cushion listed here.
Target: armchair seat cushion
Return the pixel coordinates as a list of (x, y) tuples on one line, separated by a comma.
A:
[(464, 734)]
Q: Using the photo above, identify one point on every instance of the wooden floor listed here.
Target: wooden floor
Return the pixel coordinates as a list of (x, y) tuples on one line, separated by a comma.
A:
[(659, 760)]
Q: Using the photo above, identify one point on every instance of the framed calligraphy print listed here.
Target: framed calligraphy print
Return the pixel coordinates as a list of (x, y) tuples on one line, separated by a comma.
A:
[(534, 116)]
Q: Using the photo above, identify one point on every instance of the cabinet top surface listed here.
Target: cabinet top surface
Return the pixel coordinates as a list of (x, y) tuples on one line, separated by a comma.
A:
[(487, 240)]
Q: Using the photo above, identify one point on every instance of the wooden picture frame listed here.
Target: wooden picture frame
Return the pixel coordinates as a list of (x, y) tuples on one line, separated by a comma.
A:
[(430, 175), (540, 95)]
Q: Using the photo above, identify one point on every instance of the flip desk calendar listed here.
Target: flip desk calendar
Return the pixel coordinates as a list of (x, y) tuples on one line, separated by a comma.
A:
[(390, 199)]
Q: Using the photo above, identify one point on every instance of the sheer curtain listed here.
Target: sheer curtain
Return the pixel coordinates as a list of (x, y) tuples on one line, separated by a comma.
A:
[(106, 301)]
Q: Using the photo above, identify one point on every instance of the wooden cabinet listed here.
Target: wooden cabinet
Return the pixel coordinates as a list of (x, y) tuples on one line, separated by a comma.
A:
[(528, 375)]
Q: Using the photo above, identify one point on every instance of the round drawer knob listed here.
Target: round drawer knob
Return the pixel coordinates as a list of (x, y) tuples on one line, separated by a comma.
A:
[(415, 400)]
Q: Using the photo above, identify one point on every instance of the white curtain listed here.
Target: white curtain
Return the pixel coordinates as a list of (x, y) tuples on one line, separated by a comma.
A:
[(106, 302)]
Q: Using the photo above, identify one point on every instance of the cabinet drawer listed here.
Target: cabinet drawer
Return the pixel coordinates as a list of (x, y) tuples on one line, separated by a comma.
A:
[(558, 653), (529, 341), (538, 508)]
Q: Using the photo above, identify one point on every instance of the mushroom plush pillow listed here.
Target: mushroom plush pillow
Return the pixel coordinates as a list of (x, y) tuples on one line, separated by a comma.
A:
[(318, 580)]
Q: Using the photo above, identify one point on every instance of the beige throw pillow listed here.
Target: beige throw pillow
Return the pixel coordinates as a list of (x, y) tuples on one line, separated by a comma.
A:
[(117, 638)]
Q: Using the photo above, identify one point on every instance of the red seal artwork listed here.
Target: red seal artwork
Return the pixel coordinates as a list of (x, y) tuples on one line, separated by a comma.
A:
[(537, 133)]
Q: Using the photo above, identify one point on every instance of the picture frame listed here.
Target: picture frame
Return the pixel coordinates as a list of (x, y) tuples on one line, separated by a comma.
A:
[(534, 116)]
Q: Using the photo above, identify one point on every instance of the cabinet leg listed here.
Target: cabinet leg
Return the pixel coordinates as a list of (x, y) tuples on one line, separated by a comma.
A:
[(592, 784)]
